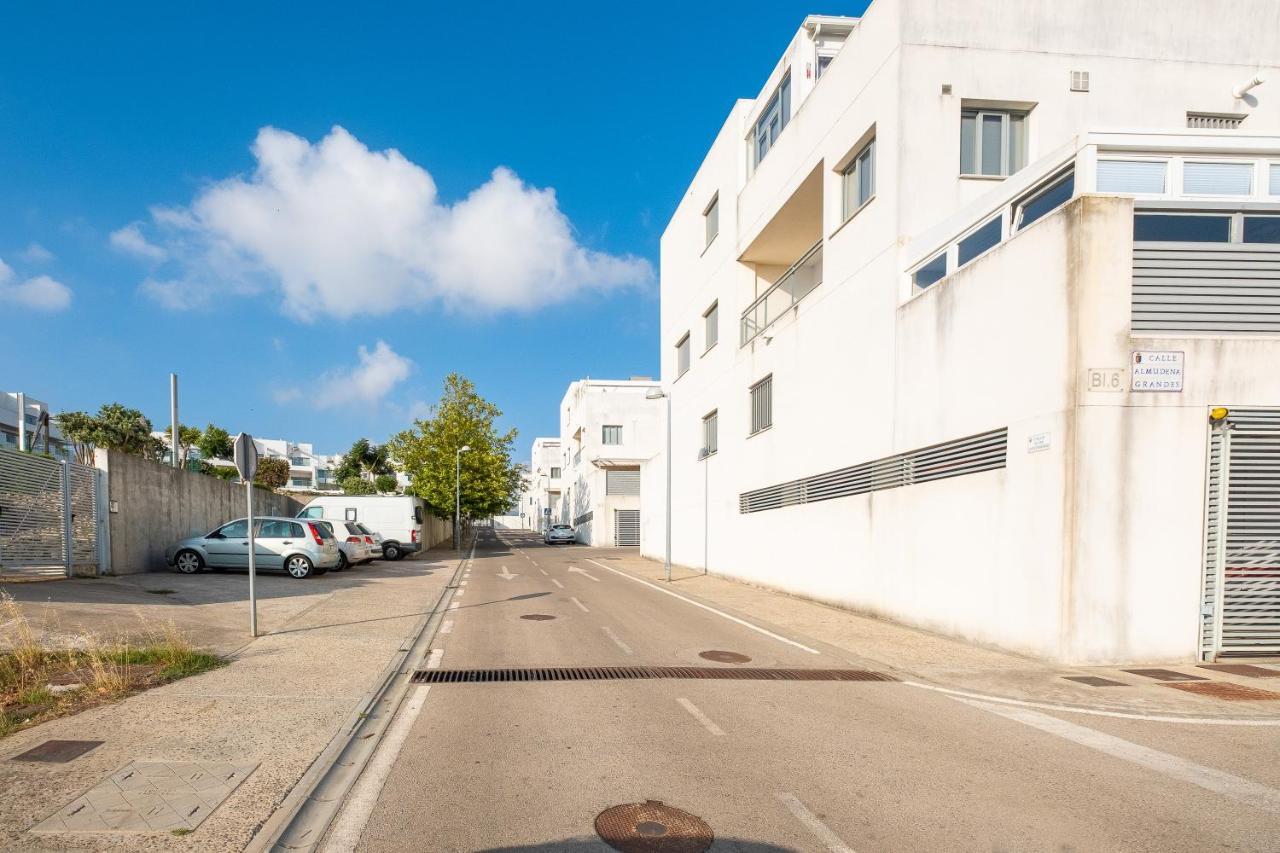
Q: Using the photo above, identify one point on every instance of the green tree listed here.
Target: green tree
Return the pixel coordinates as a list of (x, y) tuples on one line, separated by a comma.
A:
[(272, 472), (357, 485), (489, 480), (215, 443), (385, 482), (224, 472), (364, 459), (114, 427), (188, 436)]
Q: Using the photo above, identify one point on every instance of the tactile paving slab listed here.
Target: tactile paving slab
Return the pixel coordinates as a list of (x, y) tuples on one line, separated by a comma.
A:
[(150, 796)]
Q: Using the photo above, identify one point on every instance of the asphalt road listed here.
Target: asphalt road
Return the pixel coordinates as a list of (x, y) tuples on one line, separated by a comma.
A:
[(769, 765)]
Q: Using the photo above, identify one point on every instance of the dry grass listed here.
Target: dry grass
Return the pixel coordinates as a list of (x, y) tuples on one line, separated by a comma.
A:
[(104, 670)]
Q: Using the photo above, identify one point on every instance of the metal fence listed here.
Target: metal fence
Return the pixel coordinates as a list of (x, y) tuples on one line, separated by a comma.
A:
[(49, 515)]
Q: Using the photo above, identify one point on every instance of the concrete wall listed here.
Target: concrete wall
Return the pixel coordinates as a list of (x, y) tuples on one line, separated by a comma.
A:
[(152, 505)]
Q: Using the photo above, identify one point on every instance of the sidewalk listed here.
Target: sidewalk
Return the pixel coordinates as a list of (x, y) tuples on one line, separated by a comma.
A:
[(935, 660), (230, 743)]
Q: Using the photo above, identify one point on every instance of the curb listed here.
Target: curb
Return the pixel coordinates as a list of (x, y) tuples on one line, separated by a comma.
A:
[(303, 817)]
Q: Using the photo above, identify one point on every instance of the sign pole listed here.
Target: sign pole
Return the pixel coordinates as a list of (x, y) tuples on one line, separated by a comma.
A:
[(246, 458)]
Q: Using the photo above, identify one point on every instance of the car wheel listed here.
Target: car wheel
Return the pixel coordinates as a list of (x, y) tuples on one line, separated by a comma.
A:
[(298, 566), (342, 561), (392, 552), (188, 562)]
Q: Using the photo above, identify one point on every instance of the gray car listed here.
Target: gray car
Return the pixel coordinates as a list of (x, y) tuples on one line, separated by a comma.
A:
[(290, 545), (559, 533)]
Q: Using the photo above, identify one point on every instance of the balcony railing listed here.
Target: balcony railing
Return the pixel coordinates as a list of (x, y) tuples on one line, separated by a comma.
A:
[(795, 284)]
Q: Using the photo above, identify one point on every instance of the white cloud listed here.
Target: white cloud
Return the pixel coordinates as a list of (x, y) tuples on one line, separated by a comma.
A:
[(343, 231), (287, 395), (36, 254), (175, 295), (41, 293), (369, 380), (130, 240)]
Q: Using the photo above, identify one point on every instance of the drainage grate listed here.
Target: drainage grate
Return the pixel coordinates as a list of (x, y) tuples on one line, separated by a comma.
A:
[(616, 673), (653, 827), (1224, 690), (1094, 681), (1246, 669), (1166, 675)]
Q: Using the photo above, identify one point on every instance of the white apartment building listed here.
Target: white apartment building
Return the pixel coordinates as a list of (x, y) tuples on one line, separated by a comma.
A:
[(608, 430), (541, 504), (30, 422), (971, 320)]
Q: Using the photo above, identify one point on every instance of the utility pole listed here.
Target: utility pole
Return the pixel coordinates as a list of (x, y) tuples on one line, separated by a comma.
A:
[(457, 489), (173, 413)]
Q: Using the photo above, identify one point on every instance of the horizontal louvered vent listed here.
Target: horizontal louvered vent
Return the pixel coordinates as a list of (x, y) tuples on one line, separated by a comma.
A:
[(1224, 287), (982, 452), (583, 519), (1215, 121)]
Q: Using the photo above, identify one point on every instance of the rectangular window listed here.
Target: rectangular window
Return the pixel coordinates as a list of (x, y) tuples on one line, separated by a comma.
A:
[(300, 481), (711, 218), (711, 323), (773, 118), (1132, 176), (1172, 228), (611, 434), (934, 269), (979, 241), (860, 180), (823, 62), (992, 142), (1275, 179), (1262, 229), (710, 433), (1217, 178), (297, 461), (622, 482), (762, 405), (682, 356), (1044, 200), (555, 473)]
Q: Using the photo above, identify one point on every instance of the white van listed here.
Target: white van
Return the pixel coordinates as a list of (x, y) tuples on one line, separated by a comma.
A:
[(398, 519)]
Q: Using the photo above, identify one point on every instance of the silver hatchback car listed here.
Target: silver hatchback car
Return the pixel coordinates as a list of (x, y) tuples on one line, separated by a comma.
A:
[(292, 545)]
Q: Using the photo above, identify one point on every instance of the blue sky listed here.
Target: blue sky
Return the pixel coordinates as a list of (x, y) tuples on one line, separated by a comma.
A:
[(175, 197)]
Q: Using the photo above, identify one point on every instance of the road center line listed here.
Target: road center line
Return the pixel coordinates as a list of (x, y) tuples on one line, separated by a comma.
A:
[(612, 636), (446, 627), (700, 717), (828, 838), (741, 622), (545, 572), (581, 606), (1227, 784), (557, 583)]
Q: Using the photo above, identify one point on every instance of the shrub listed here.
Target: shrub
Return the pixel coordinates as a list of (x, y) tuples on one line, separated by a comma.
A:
[(357, 486), (385, 482)]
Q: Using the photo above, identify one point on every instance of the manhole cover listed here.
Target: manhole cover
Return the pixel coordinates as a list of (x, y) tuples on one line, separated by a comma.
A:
[(537, 617), (59, 751), (652, 827), (724, 657)]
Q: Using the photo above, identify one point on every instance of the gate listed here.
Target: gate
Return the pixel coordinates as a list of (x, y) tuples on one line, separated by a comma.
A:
[(1240, 613), (626, 527), (49, 515)]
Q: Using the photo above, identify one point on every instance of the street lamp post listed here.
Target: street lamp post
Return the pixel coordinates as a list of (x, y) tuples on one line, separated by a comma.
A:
[(658, 394), (457, 489)]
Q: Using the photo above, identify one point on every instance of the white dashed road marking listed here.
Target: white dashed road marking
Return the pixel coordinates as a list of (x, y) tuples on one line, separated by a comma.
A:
[(557, 583), (828, 838), (581, 606), (446, 627), (700, 717), (612, 636)]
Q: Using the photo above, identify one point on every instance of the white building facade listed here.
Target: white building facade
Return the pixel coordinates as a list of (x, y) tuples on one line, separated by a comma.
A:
[(541, 505), (609, 429), (970, 320), (12, 423)]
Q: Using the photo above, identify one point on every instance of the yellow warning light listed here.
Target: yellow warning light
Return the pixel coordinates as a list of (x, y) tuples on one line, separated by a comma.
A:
[(1218, 415)]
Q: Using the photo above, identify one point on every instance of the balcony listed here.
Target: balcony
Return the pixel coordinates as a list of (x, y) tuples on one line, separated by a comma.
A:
[(795, 284)]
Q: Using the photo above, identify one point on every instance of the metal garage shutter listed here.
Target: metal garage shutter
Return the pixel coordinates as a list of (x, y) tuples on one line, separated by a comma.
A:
[(622, 482), (626, 527), (1242, 571)]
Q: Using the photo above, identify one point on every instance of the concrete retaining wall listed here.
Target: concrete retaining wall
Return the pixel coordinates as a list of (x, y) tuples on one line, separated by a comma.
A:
[(152, 505)]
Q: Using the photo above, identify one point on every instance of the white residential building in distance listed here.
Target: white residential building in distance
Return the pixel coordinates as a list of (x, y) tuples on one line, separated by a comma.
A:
[(608, 430), (975, 308), (542, 499), (30, 421)]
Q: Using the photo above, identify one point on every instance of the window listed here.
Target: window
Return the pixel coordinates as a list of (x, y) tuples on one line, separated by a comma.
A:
[(1262, 229), (298, 461), (823, 62), (622, 482), (1275, 179), (860, 180), (711, 322), (934, 269), (312, 512), (992, 142), (350, 514), (773, 118), (611, 434), (299, 481), (710, 430), (1043, 200), (979, 241), (1132, 176), (762, 405), (1174, 228), (322, 475), (711, 218), (234, 530), (682, 356), (1217, 178), (555, 473)]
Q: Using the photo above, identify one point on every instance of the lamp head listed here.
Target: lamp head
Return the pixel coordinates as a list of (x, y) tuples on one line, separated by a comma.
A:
[(654, 394), (464, 448)]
